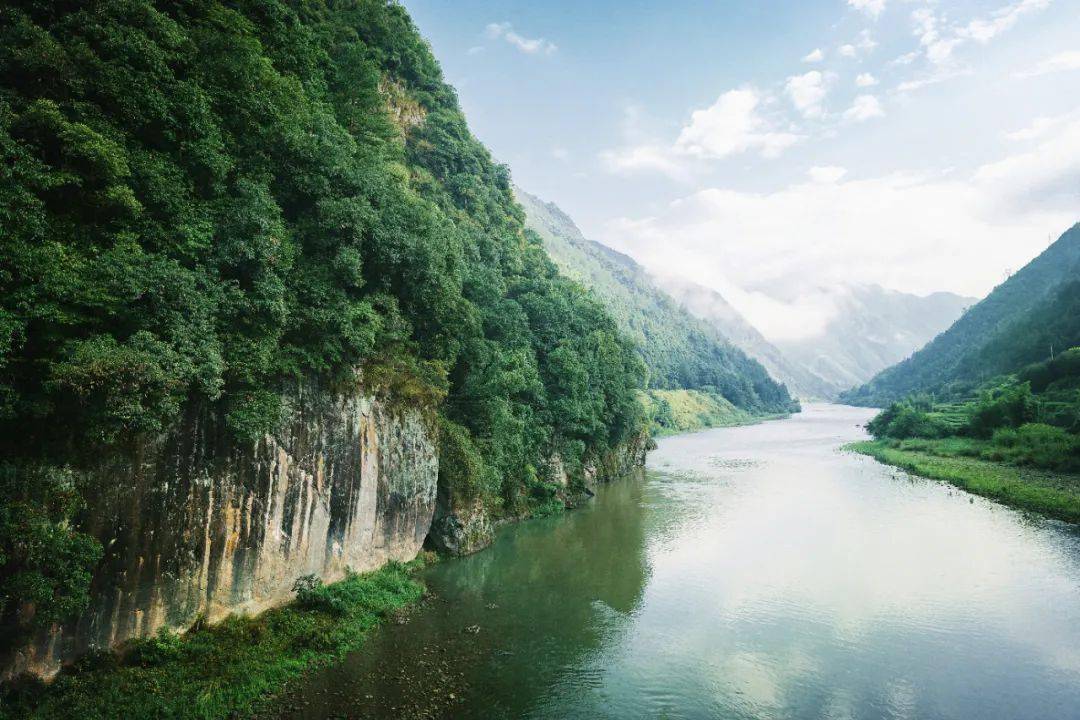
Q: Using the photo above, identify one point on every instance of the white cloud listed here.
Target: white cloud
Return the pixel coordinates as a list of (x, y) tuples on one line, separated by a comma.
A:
[(865, 80), (911, 232), (730, 126), (865, 107), (475, 50), (1062, 62), (531, 46), (733, 124), (1039, 127), (937, 76), (1002, 19), (939, 39), (814, 56), (826, 173), (646, 157), (873, 8), (807, 92), (864, 44), (560, 153), (1043, 178), (905, 59)]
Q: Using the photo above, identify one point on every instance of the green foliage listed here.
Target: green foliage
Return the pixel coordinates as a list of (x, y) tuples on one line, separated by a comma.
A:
[(44, 560), (225, 670), (1061, 372), (545, 500), (1036, 445), (462, 469), (675, 411), (202, 202), (1032, 315), (907, 420), (1007, 407)]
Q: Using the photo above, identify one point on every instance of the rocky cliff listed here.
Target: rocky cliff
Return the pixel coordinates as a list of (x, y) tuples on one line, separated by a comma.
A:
[(462, 528), (194, 527)]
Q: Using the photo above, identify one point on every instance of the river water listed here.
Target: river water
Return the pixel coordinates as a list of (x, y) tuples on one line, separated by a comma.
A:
[(753, 572)]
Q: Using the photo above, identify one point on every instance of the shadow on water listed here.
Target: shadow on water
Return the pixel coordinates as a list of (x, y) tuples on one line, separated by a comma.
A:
[(501, 627)]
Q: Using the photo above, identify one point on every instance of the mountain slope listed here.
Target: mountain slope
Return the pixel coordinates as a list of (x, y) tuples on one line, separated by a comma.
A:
[(1013, 325), (680, 351), (714, 309), (872, 329)]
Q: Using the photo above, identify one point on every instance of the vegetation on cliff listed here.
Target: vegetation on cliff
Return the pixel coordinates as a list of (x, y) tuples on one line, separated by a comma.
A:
[(202, 202), (1017, 441)]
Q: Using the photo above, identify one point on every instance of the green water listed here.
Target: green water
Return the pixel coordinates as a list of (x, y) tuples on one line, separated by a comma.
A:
[(751, 572)]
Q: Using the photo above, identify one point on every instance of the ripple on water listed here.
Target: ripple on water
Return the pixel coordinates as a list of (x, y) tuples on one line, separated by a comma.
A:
[(721, 462)]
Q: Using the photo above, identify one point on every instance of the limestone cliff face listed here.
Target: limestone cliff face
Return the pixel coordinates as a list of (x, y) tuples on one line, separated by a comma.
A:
[(193, 526)]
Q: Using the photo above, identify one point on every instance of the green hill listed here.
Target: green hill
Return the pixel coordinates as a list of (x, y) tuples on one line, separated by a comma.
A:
[(1020, 322), (679, 350), (205, 204)]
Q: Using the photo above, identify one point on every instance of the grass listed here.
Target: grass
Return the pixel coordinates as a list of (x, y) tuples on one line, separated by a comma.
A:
[(957, 462), (228, 670), (678, 411)]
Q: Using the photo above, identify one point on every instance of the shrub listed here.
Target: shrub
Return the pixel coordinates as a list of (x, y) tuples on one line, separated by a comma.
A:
[(902, 421), (156, 650), (1036, 445), (312, 594), (1004, 407), (45, 561)]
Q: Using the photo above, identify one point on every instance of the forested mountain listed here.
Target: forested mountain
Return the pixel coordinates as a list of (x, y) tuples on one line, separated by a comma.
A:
[(715, 310), (679, 350), (1020, 322), (204, 204)]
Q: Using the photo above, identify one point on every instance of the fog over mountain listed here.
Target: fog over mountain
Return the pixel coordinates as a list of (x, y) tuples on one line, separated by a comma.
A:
[(868, 329)]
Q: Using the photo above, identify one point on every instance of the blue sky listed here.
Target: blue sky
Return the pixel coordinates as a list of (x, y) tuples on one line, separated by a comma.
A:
[(775, 150)]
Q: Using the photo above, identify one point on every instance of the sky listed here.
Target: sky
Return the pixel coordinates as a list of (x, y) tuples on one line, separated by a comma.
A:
[(776, 151)]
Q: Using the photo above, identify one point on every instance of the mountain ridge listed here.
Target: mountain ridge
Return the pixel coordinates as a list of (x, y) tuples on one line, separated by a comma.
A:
[(964, 355)]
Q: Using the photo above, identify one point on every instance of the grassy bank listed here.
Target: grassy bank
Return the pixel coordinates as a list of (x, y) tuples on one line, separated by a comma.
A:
[(227, 670), (956, 461), (678, 411)]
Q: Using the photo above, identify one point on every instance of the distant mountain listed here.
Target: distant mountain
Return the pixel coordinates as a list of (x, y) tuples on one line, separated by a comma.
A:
[(713, 308), (872, 329), (679, 350), (1017, 323)]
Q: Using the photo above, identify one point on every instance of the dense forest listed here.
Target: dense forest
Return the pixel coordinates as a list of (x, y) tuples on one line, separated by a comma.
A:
[(680, 352), (204, 204), (1026, 319)]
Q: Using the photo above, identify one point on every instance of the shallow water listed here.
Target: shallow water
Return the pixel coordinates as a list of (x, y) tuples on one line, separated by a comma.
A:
[(752, 572)]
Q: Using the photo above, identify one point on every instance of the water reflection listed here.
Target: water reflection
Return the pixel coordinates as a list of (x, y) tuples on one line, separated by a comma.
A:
[(754, 573), (505, 625)]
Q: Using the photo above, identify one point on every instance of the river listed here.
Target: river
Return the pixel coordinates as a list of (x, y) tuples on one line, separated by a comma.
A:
[(752, 572)]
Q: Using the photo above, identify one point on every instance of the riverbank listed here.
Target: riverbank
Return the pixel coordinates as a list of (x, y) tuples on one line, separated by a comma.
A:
[(228, 670), (1056, 495)]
